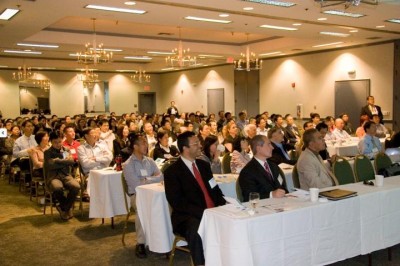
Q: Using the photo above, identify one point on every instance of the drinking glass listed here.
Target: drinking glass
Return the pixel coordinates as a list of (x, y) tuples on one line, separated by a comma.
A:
[(254, 198)]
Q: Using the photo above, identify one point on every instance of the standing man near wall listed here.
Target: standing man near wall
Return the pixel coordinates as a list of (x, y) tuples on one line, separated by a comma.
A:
[(371, 109)]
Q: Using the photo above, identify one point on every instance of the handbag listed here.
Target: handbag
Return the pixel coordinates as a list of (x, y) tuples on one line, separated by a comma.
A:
[(392, 170)]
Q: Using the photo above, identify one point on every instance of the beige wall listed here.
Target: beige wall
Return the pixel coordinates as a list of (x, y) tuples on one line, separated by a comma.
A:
[(314, 76)]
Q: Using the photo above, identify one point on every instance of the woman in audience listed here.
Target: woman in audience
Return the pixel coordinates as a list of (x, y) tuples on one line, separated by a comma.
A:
[(261, 126), (113, 124), (240, 156), (132, 125), (315, 118), (204, 132), (92, 123), (162, 149), (80, 126), (121, 143), (330, 122), (231, 136), (37, 153), (360, 132), (211, 154)]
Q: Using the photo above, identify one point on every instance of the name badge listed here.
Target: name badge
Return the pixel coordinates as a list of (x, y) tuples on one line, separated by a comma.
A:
[(374, 149), (212, 182), (72, 151), (143, 172)]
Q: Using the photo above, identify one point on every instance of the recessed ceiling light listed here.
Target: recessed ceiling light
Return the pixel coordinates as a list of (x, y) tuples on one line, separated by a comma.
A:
[(208, 20), (322, 19), (125, 70), (38, 45), (74, 54), (353, 31), (343, 13), (43, 68), (394, 20), (327, 44), (224, 15), (116, 9), (160, 53), (249, 8), (21, 52), (3, 66), (277, 27), (108, 49), (210, 55), (130, 3), (380, 26), (272, 3), (8, 13), (138, 57), (168, 68), (271, 53), (337, 34), (296, 24)]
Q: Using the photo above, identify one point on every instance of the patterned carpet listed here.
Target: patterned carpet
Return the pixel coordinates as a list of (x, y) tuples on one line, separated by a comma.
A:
[(27, 237)]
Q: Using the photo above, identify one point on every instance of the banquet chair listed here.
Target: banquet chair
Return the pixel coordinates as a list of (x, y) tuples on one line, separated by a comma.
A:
[(36, 182), (226, 163), (382, 161), (239, 194), (151, 153), (166, 165), (48, 194), (175, 247), (24, 171), (363, 168), (343, 171), (82, 183), (129, 211), (295, 177), (284, 183)]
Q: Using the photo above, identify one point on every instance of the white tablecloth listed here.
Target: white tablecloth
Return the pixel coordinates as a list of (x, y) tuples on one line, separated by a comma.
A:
[(305, 233), (106, 194), (347, 148)]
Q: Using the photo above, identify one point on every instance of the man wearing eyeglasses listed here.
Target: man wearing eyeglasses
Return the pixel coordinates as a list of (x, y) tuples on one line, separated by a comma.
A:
[(190, 189)]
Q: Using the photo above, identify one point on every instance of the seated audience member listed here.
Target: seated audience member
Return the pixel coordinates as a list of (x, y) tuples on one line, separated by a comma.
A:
[(166, 126), (57, 164), (360, 132), (213, 128), (92, 154), (241, 121), (339, 133), (70, 143), (211, 154), (394, 141), (150, 135), (347, 125), (370, 145), (260, 175), (315, 119), (121, 143), (81, 125), (25, 142), (292, 133), (280, 151), (300, 145), (231, 135), (261, 126), (132, 125), (188, 200), (162, 149), (204, 132), (240, 156), (323, 129), (7, 149), (313, 172), (37, 153), (250, 131), (330, 123), (139, 170), (106, 134), (381, 130)]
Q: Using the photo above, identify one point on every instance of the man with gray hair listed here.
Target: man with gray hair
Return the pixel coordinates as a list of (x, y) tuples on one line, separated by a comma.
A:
[(250, 131), (259, 175), (313, 172)]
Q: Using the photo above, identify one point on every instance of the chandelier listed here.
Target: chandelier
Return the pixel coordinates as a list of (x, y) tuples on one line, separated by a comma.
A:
[(181, 57), (25, 76), (89, 78), (347, 3), (248, 60), (94, 54), (140, 77)]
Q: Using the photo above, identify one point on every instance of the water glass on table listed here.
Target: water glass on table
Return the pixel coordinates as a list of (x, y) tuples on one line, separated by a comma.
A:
[(254, 198)]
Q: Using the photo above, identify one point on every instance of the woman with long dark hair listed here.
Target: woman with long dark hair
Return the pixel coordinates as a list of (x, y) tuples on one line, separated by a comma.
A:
[(211, 154)]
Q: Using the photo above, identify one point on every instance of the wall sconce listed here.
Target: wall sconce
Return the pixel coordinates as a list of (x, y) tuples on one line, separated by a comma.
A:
[(351, 71)]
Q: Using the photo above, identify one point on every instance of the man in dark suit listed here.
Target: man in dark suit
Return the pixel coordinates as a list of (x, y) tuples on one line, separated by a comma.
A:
[(259, 175), (190, 189), (291, 131), (371, 109), (280, 152)]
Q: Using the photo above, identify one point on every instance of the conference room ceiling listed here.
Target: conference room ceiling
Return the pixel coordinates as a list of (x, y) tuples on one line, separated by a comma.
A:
[(69, 25)]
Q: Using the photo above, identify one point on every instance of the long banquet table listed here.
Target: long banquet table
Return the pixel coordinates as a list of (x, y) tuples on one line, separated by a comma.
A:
[(348, 147), (304, 233)]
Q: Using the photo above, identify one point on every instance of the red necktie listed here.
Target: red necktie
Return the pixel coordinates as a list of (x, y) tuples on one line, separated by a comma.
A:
[(269, 174), (209, 201)]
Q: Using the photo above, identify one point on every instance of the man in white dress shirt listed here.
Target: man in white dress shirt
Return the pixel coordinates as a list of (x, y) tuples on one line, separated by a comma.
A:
[(25, 142), (339, 133)]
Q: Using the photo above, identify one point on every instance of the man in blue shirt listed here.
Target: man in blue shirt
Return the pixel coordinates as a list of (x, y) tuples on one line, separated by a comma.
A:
[(369, 145)]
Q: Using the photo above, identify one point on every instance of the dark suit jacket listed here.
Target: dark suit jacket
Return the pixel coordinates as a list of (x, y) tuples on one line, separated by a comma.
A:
[(254, 178), (365, 111), (278, 156), (159, 152), (184, 193), (290, 135), (55, 166)]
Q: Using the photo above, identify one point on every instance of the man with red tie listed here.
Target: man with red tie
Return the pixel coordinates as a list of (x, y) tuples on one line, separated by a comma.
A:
[(259, 175), (190, 189)]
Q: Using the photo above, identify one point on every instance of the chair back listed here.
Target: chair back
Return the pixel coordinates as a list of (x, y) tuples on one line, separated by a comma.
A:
[(24, 164), (125, 190), (226, 163), (343, 171), (239, 194), (382, 161), (166, 165), (363, 168), (293, 155), (295, 177), (284, 183), (151, 153)]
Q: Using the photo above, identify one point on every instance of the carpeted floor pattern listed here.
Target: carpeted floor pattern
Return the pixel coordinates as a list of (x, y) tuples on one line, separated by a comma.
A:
[(27, 237)]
